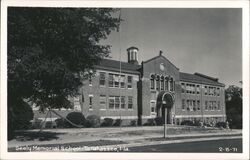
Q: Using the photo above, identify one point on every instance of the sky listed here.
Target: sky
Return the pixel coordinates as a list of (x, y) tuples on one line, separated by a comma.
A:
[(208, 41)]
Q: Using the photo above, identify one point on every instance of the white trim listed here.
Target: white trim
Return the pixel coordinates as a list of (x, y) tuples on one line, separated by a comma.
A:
[(118, 117), (190, 116)]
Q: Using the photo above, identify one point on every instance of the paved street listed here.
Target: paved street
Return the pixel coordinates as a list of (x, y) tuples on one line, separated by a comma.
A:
[(221, 146)]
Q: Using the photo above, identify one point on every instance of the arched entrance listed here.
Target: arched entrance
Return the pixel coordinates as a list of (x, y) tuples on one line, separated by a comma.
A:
[(165, 102)]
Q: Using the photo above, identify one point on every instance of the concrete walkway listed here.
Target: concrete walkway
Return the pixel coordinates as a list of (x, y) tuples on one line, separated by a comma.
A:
[(131, 135)]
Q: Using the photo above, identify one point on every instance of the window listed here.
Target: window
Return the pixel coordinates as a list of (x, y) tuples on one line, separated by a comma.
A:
[(183, 88), (166, 84), (117, 102), (205, 90), (102, 79), (194, 105), (152, 107), (188, 107), (162, 83), (130, 80), (157, 82), (218, 91), (111, 102), (210, 105), (206, 105), (102, 102), (171, 84), (122, 102), (152, 82), (122, 81), (130, 102), (111, 80), (183, 104), (218, 105), (90, 101), (198, 105), (198, 89)]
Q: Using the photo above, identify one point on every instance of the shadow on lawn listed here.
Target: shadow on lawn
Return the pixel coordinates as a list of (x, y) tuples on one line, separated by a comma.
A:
[(36, 135)]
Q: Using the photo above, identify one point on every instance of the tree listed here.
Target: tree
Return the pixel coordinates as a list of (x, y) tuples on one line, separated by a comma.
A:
[(233, 96), (52, 50)]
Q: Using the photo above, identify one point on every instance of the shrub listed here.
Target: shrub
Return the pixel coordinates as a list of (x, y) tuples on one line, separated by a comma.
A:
[(133, 123), (159, 121), (36, 123), (150, 122), (93, 121), (107, 122), (221, 124), (50, 124), (60, 123), (187, 122), (76, 118), (118, 122)]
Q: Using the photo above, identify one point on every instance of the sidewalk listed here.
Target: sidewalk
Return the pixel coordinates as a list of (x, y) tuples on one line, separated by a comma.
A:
[(125, 135)]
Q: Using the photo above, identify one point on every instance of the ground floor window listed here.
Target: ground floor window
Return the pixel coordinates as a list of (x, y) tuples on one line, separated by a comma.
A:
[(152, 107), (130, 102)]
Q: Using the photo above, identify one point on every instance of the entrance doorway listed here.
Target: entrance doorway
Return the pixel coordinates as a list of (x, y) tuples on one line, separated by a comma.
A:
[(165, 102)]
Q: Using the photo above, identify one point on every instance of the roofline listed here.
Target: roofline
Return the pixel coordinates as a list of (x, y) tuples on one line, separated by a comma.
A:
[(205, 76), (116, 70), (158, 57), (202, 82)]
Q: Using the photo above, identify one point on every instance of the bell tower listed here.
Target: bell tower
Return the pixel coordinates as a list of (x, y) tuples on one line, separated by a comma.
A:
[(132, 55)]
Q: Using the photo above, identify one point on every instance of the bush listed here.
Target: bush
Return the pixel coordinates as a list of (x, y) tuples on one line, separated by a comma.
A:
[(221, 124), (107, 122), (187, 122), (76, 118), (93, 121), (118, 122), (133, 123), (60, 123), (159, 121), (150, 122), (36, 123)]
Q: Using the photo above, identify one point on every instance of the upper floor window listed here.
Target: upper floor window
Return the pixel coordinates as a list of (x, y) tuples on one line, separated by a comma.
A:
[(130, 81), (152, 82), (171, 84), (157, 82), (102, 79), (162, 83), (197, 89), (205, 91), (183, 88), (122, 81), (166, 84), (218, 91)]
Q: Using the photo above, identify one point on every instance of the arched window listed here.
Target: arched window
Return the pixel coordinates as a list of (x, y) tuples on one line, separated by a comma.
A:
[(166, 83), (171, 84), (157, 82), (162, 83), (152, 82)]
